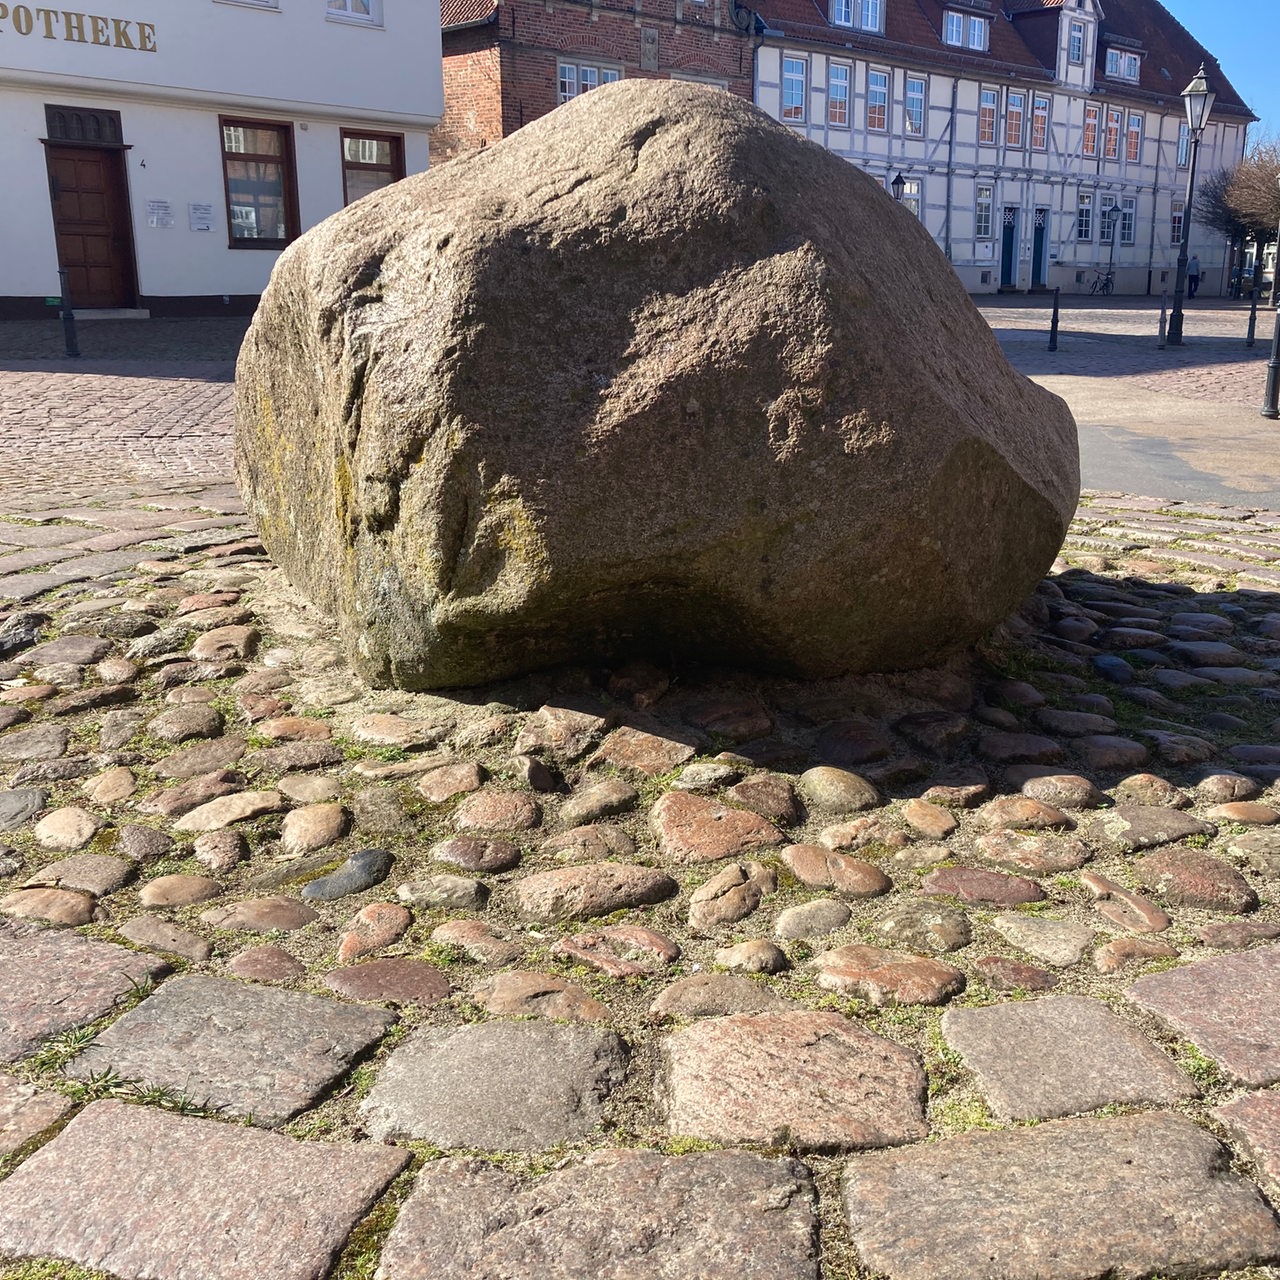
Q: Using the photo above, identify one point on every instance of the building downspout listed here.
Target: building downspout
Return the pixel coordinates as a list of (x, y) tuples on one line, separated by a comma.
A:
[(951, 166)]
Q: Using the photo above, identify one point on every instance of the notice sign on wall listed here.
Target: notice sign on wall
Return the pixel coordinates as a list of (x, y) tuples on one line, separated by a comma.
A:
[(159, 213), (200, 217)]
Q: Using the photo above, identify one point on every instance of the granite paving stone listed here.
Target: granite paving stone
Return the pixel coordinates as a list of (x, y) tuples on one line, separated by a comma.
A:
[(26, 1111), (1227, 1006), (692, 828), (614, 1215), (715, 995), (1042, 1059), (392, 980), (160, 935), (362, 870), (191, 1200), (1060, 943), (597, 889), (54, 981), (816, 1081), (94, 873), (19, 806), (518, 993), (496, 1086), (248, 1051), (1067, 1200), (1254, 1122), (883, 977)]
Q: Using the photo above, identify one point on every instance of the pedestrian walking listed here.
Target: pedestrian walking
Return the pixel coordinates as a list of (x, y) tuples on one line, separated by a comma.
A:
[(1193, 275)]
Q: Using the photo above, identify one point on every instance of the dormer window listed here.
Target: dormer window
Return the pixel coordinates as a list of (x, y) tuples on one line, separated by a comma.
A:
[(1123, 65), (1075, 43), (965, 31), (865, 15)]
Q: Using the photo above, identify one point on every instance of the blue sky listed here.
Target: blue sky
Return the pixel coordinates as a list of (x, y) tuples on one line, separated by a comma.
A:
[(1244, 35)]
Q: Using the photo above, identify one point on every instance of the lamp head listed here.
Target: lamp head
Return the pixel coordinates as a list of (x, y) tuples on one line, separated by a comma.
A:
[(1199, 99), (899, 185)]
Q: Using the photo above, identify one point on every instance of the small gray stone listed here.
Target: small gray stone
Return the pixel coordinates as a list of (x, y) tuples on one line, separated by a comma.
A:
[(41, 742), (80, 651), (92, 873), (160, 935), (67, 829), (837, 791), (142, 844), (925, 926), (453, 893), (1056, 942), (256, 1051), (715, 995), (496, 1086), (180, 724), (361, 871), (1041, 1059), (602, 800), (814, 919), (17, 807), (377, 810)]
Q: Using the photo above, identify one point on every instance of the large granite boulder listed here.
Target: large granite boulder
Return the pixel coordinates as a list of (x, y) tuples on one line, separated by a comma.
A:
[(651, 375)]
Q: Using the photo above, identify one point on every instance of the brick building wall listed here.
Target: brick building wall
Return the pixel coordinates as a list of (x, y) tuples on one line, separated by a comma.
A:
[(500, 75)]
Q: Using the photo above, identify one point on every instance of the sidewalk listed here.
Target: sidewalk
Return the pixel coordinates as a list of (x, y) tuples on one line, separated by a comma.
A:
[(641, 974)]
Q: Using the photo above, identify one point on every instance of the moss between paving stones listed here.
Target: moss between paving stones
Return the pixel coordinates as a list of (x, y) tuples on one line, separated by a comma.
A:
[(955, 1103)]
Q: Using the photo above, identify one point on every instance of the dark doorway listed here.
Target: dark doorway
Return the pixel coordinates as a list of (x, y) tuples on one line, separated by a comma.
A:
[(1040, 251), (1009, 248), (91, 224)]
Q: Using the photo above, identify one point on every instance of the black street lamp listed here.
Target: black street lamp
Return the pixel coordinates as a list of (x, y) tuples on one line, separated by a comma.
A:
[(1199, 99), (1271, 401), (1109, 218), (899, 185)]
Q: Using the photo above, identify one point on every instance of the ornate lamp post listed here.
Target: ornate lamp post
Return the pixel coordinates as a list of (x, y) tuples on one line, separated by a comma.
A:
[(1271, 402), (899, 185), (1109, 218), (1199, 99)]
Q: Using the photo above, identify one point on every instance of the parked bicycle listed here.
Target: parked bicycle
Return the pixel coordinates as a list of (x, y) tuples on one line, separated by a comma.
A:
[(1104, 282)]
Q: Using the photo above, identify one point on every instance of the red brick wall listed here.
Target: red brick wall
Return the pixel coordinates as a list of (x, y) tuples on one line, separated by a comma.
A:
[(533, 34), (472, 94)]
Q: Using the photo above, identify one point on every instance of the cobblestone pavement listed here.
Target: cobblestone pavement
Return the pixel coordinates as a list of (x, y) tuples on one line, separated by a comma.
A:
[(962, 974)]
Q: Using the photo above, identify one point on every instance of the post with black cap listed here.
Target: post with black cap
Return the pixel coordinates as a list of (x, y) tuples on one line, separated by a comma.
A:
[(1199, 100)]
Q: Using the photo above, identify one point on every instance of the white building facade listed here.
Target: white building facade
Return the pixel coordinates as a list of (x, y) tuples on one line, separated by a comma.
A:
[(164, 153), (1042, 145)]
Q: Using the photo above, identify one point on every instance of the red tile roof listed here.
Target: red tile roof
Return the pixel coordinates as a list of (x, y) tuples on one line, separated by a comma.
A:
[(466, 13)]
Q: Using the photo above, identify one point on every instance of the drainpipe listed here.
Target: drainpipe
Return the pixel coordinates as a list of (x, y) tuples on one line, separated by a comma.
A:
[(951, 167)]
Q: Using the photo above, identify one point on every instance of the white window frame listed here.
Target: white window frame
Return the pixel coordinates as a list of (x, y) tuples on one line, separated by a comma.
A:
[(989, 98), (871, 15), (1122, 65), (571, 74), (799, 114), (913, 118), (1184, 145), (979, 34), (842, 13), (1021, 140), (1039, 100), (880, 99), (913, 195), (1177, 212), (953, 29), (983, 207), (1133, 138), (1084, 216), (1106, 225), (1110, 140), (1092, 112), (844, 96), (1128, 220), (1075, 44), (341, 11)]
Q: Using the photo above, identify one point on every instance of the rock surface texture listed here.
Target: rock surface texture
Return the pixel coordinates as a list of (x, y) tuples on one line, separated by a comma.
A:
[(479, 418)]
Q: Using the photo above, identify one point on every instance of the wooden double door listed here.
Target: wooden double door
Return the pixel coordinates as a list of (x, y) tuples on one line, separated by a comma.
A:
[(91, 223)]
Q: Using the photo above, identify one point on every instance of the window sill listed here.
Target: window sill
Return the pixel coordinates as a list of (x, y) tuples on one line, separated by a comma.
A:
[(272, 6), (274, 245), (349, 20)]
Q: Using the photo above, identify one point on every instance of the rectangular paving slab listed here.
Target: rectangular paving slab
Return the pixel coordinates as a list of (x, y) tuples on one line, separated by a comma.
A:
[(1040, 1059), (145, 1195), (618, 1215), (252, 1051), (1228, 1006), (53, 981), (1066, 1200)]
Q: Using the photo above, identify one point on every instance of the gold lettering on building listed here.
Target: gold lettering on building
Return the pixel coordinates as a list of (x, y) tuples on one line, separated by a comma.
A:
[(74, 27)]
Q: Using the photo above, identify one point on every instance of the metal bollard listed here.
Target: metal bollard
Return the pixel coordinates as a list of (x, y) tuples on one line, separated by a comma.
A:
[(1162, 338), (68, 316), (1271, 401), (1253, 317), (1053, 324)]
